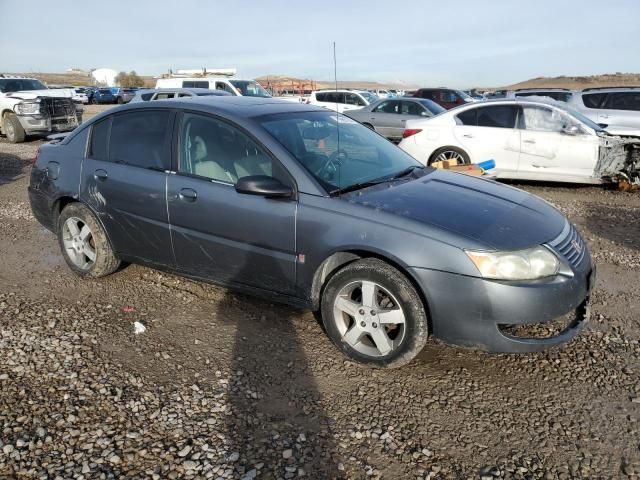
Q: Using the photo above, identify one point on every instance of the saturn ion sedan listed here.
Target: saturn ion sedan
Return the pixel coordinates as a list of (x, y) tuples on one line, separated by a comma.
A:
[(298, 204)]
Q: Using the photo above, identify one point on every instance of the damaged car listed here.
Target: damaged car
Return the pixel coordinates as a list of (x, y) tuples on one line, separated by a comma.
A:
[(298, 204), (529, 139), (28, 107)]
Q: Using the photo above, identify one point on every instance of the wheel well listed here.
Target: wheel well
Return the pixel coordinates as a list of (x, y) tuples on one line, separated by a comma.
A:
[(332, 264), (58, 206)]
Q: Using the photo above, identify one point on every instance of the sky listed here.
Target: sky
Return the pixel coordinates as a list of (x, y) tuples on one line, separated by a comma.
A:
[(462, 43)]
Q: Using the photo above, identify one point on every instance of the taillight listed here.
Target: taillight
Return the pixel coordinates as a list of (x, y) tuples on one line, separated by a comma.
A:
[(35, 159), (410, 131)]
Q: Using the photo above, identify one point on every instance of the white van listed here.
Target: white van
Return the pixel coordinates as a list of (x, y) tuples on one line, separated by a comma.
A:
[(247, 88), (341, 100)]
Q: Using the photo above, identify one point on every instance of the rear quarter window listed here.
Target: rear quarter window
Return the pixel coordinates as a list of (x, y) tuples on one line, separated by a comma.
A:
[(470, 117), (99, 146)]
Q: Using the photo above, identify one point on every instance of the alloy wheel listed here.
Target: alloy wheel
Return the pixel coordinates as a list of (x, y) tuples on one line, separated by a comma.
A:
[(369, 318), (78, 243)]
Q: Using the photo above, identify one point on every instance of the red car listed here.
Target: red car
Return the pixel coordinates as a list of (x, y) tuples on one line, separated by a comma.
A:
[(445, 97)]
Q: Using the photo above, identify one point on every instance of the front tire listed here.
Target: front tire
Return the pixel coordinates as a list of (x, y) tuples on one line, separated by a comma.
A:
[(374, 315), (13, 129), (84, 243), (450, 153)]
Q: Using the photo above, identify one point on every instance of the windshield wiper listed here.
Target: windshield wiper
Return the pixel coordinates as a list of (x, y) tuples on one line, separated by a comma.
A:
[(378, 181), (405, 172)]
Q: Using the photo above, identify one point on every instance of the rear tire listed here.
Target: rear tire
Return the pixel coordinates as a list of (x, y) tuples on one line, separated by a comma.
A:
[(13, 129), (450, 153), (386, 327), (84, 243)]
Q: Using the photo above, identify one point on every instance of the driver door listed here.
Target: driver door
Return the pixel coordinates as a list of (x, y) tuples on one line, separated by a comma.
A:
[(218, 233), (547, 153)]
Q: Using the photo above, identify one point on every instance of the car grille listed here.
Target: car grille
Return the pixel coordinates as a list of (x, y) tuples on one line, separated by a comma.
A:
[(570, 245), (57, 107)]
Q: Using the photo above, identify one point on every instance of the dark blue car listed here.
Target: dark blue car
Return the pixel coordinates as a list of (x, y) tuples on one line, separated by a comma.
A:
[(103, 95), (302, 205)]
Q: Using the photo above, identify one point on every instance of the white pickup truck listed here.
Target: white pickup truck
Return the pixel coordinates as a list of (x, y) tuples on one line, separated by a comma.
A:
[(28, 107)]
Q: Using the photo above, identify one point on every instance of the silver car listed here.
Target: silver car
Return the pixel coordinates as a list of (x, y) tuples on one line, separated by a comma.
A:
[(389, 115), (609, 106)]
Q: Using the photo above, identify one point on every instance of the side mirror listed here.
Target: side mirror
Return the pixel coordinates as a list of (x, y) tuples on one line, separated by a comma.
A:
[(425, 114), (571, 130), (263, 185)]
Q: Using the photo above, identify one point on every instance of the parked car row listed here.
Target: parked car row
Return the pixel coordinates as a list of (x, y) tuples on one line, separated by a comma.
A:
[(304, 213)]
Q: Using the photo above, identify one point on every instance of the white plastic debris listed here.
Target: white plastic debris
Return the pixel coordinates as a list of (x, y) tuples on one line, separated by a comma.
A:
[(139, 328)]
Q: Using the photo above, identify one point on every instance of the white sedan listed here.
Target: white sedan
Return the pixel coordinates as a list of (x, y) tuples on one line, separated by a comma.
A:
[(527, 139)]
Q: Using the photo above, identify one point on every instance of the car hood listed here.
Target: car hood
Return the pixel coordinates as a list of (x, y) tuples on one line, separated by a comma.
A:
[(623, 131), (495, 215), (33, 94)]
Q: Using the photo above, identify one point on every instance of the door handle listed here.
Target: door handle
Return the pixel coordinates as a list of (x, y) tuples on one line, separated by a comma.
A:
[(528, 141), (372, 118), (604, 115), (467, 135), (188, 195), (100, 175)]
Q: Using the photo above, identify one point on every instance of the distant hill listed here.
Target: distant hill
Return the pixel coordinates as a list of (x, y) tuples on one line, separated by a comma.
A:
[(578, 83)]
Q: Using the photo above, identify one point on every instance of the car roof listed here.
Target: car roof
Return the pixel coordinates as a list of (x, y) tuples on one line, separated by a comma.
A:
[(540, 89), (237, 106), (611, 89)]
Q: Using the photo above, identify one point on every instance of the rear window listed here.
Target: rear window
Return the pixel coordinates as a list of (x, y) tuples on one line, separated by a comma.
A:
[(139, 139), (195, 84), (498, 116), (593, 100), (146, 96), (469, 117)]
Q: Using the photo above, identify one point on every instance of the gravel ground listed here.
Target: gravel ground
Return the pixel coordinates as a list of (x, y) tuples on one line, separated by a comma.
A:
[(225, 386)]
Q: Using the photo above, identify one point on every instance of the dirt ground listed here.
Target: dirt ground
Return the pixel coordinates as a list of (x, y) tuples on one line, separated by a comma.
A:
[(226, 386)]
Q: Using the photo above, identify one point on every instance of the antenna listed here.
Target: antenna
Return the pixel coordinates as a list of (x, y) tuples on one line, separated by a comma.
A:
[(335, 78)]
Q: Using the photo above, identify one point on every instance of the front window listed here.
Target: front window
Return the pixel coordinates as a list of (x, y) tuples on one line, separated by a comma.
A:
[(8, 85), (249, 88), (337, 151)]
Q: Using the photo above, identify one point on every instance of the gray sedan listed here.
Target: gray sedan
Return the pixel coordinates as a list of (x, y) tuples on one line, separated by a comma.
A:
[(388, 116)]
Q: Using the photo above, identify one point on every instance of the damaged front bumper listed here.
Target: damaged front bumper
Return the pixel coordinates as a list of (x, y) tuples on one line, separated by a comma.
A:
[(619, 160), (34, 125)]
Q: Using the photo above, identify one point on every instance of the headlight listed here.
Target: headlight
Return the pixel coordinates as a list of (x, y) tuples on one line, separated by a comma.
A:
[(27, 108), (527, 264)]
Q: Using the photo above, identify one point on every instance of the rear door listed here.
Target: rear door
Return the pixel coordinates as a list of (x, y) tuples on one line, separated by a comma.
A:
[(218, 233), (489, 133), (385, 117), (124, 182), (547, 153)]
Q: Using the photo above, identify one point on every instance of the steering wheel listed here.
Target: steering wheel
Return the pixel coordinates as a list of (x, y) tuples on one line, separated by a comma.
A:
[(332, 165)]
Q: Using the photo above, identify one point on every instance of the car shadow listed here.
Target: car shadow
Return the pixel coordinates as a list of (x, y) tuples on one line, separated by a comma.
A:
[(276, 424), (12, 167), (618, 223)]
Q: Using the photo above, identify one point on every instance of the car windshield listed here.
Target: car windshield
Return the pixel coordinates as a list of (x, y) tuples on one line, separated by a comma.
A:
[(338, 152), (8, 85), (464, 95), (432, 106), (369, 97), (250, 88)]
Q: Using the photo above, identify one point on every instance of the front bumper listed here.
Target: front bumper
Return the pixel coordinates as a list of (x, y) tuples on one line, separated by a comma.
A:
[(33, 125), (469, 311)]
